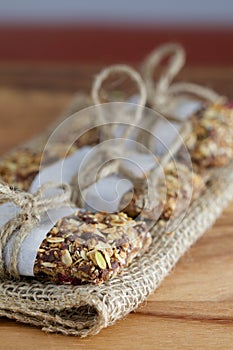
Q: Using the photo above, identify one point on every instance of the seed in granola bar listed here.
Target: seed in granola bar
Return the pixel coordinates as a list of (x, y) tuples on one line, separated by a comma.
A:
[(107, 258), (100, 260), (55, 239), (66, 258), (48, 264), (117, 222)]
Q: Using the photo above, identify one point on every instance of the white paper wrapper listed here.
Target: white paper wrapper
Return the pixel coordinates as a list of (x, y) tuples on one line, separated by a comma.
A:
[(60, 172), (139, 164), (165, 135), (106, 194), (32, 242), (7, 212), (183, 108)]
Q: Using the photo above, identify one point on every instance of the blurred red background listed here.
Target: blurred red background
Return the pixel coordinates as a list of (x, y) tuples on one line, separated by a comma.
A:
[(108, 44)]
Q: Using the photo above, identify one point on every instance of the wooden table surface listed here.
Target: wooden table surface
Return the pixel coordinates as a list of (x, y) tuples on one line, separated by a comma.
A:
[(193, 308)]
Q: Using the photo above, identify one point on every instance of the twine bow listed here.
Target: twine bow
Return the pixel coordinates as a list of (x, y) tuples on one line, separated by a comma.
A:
[(33, 206), (161, 93)]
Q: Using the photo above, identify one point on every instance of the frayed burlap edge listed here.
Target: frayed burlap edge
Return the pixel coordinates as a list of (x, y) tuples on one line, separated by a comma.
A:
[(85, 310)]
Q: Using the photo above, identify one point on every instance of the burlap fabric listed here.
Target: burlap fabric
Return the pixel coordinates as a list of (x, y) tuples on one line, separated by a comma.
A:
[(85, 310)]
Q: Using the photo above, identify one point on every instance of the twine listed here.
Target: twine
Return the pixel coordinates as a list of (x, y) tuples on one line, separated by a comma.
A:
[(106, 153), (161, 93), (32, 206), (135, 76)]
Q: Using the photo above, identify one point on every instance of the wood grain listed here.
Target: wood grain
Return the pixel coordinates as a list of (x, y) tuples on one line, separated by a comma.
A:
[(193, 308)]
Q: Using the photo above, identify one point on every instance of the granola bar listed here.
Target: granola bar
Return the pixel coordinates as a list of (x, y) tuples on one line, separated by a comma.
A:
[(211, 140), (20, 166), (172, 195), (182, 187), (90, 248)]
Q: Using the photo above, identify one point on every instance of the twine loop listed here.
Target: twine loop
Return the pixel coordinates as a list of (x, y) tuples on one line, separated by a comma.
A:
[(32, 206), (163, 92), (118, 68), (106, 153), (135, 76)]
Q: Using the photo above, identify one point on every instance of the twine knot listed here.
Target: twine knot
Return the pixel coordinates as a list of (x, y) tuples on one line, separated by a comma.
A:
[(32, 206)]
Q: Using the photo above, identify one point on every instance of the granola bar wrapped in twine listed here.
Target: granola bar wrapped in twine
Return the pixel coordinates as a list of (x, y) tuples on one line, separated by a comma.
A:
[(85, 310), (78, 248), (210, 142)]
